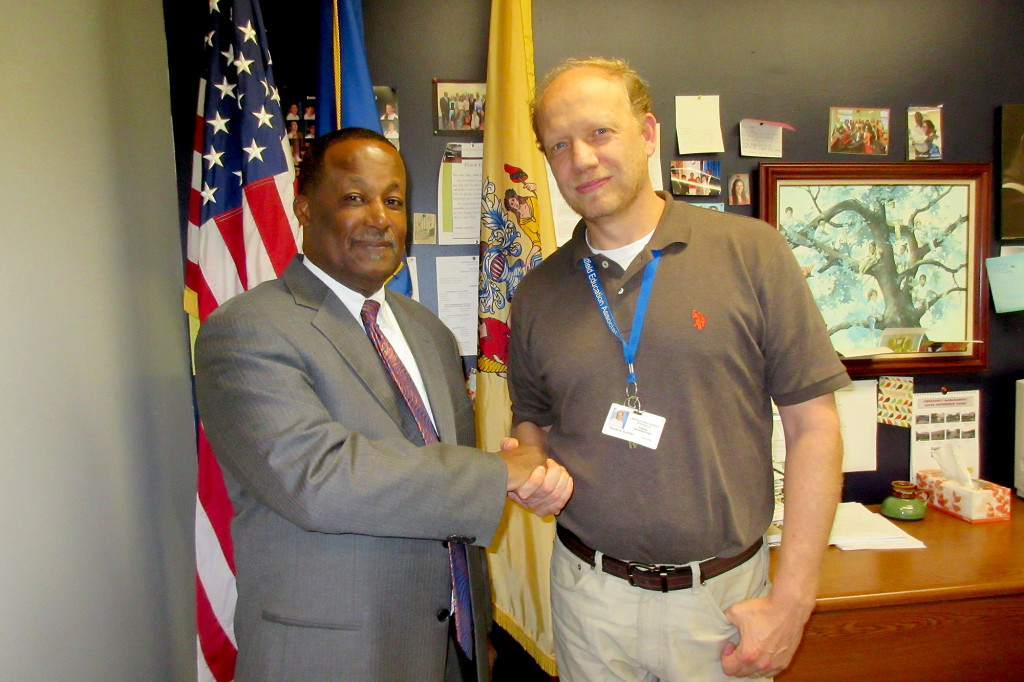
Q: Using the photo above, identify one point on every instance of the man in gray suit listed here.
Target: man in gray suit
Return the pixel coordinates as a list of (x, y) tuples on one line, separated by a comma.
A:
[(344, 506)]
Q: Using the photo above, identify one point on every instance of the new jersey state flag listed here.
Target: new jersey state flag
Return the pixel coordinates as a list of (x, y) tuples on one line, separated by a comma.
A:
[(516, 231)]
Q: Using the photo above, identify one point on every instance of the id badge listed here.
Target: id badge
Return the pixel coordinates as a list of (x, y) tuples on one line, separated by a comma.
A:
[(635, 426)]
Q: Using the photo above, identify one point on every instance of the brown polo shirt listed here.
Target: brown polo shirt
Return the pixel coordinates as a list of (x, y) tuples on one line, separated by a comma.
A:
[(730, 325)]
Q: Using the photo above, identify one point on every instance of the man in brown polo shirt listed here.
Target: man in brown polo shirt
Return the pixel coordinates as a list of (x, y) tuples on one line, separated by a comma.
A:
[(692, 321)]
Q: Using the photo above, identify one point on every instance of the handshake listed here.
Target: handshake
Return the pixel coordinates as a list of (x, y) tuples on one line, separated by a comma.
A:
[(534, 480)]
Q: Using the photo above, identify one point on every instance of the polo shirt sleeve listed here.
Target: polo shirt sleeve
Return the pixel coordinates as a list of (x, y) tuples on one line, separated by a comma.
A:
[(530, 402), (801, 362)]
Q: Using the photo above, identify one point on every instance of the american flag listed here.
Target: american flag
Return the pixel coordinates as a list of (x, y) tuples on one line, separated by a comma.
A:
[(241, 231)]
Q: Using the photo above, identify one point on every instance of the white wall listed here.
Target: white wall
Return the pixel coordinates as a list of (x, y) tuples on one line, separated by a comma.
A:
[(97, 459)]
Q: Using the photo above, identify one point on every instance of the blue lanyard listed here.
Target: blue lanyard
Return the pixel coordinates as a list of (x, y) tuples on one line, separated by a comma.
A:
[(628, 347)]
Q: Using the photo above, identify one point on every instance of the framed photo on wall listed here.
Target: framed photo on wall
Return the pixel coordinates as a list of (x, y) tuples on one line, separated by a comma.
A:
[(695, 178), (924, 133), (386, 97), (857, 130), (890, 246), (460, 107), (1011, 192)]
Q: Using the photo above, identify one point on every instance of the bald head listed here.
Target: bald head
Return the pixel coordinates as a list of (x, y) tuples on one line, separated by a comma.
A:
[(616, 69)]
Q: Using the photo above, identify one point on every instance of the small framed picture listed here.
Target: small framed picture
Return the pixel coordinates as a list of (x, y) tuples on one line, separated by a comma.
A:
[(695, 178), (739, 189), (387, 109), (858, 131), (386, 98), (299, 122), (902, 340), (460, 107), (924, 133)]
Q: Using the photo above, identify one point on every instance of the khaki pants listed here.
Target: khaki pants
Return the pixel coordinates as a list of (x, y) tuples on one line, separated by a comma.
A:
[(606, 629)]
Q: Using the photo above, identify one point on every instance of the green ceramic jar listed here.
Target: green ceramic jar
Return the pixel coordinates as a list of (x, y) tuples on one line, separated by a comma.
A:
[(907, 502)]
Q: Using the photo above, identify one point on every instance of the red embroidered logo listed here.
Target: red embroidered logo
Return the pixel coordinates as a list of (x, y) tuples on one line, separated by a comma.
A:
[(698, 319)]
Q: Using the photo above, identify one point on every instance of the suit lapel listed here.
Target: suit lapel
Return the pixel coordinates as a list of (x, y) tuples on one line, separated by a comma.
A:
[(428, 360), (336, 323)]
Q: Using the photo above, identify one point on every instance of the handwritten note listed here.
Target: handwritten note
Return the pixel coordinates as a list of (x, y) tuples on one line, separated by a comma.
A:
[(761, 138), (698, 124)]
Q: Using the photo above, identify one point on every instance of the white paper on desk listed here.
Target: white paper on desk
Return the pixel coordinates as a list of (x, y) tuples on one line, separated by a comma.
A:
[(1006, 280), (698, 124), (856, 527), (459, 184), (566, 219), (950, 417), (761, 138), (457, 280)]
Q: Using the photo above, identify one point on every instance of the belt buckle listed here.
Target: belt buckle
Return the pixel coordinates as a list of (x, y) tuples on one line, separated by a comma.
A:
[(649, 569)]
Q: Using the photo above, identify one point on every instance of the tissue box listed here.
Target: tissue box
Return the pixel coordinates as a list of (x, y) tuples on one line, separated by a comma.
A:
[(983, 503)]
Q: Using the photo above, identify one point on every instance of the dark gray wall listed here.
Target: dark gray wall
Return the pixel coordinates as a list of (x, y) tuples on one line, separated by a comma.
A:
[(785, 61), (781, 61), (97, 436)]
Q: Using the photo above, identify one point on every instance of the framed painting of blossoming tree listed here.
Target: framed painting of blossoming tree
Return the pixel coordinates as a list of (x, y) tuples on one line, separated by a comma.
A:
[(894, 256)]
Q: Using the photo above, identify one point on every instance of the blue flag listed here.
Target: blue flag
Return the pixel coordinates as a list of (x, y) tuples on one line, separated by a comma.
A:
[(342, 45)]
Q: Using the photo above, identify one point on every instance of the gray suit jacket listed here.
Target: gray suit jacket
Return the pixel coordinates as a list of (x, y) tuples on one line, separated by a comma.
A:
[(340, 510)]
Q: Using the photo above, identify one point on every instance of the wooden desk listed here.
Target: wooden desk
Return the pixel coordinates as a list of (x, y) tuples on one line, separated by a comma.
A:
[(953, 611)]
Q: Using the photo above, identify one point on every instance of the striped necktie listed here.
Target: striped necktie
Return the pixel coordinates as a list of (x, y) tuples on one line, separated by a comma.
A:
[(462, 610)]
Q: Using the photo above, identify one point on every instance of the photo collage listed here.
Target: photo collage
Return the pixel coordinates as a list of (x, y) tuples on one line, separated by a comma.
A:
[(300, 125)]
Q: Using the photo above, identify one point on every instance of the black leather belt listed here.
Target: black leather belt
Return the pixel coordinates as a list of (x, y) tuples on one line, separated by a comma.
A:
[(656, 577)]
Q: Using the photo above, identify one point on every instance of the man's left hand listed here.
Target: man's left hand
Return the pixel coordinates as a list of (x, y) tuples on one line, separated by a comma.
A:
[(769, 636)]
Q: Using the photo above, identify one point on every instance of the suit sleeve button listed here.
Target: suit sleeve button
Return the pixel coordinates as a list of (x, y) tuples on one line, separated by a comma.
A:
[(442, 615)]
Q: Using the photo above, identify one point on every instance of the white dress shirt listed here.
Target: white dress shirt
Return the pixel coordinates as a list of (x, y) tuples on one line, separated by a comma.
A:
[(353, 301)]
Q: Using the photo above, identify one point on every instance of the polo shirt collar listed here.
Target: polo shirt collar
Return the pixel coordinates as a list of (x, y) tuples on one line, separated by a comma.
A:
[(667, 232)]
